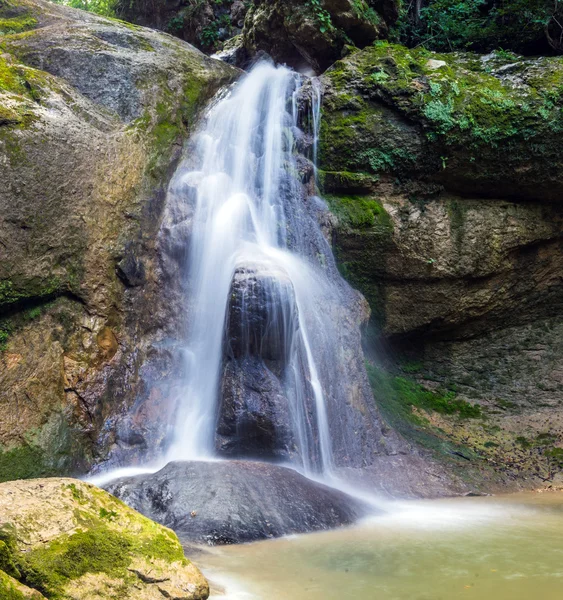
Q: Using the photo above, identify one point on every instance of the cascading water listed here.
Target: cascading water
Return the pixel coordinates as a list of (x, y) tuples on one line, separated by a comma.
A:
[(273, 366), (271, 362), (240, 226)]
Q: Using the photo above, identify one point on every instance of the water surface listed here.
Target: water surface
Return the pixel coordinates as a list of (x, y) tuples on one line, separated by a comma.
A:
[(490, 548)]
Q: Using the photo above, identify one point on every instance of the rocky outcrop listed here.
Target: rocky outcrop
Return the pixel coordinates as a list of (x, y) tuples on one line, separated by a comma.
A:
[(305, 34), (315, 33), (62, 538), (93, 113), (233, 502), (444, 173)]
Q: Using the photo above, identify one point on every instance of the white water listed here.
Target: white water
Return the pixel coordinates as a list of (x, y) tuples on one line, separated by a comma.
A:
[(240, 222), (238, 211)]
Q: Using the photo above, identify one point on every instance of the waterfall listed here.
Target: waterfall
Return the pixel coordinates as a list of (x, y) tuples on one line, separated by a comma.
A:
[(240, 233), (271, 365)]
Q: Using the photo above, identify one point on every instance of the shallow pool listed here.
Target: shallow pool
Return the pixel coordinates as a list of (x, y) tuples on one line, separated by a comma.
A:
[(490, 548)]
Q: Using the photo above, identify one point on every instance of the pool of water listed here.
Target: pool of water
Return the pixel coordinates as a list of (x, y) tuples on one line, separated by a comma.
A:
[(490, 548)]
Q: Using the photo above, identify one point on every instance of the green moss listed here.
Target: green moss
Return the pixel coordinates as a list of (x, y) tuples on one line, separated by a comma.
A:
[(8, 591), (555, 455), (17, 25), (402, 395), (163, 546), (24, 462), (460, 100), (7, 563), (12, 293), (110, 515), (15, 18), (391, 114), (359, 212), (98, 550), (11, 79), (396, 397)]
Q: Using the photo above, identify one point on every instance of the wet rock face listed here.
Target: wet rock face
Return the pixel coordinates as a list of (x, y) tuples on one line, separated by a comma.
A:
[(262, 316), (233, 502), (254, 414), (92, 115)]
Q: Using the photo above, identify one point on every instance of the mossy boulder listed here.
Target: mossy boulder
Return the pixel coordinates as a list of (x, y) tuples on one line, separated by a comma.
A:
[(487, 125), (444, 170), (93, 115), (65, 539)]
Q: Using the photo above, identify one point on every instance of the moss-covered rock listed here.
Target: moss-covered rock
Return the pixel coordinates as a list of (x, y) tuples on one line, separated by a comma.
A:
[(486, 125), (93, 114), (445, 174), (64, 539), (415, 133)]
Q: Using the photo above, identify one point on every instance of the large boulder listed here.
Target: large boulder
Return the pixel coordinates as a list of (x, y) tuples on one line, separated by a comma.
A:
[(62, 538), (231, 502), (93, 113)]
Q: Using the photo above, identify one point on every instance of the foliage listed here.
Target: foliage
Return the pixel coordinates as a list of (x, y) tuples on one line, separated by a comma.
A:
[(406, 394), (322, 16), (105, 8), (527, 26)]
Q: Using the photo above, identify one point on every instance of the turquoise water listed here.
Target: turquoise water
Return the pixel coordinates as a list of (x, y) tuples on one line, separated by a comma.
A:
[(493, 548)]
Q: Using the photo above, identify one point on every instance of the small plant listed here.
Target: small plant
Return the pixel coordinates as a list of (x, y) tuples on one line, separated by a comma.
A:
[(322, 16), (109, 515), (523, 442), (176, 24), (555, 455), (209, 35)]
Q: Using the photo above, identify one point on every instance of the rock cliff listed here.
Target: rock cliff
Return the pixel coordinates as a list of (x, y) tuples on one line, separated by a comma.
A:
[(444, 173), (93, 114)]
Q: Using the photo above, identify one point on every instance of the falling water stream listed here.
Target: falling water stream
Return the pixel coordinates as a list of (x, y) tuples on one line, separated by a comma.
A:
[(271, 328), (249, 225)]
